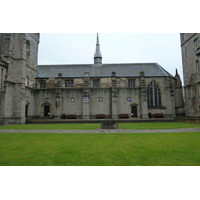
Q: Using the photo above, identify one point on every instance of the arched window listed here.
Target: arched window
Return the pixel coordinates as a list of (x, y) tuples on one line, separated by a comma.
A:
[(27, 81), (154, 95), (27, 48), (1, 82)]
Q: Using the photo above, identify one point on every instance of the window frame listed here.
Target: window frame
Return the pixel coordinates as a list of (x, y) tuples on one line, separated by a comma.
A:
[(154, 95), (131, 83), (96, 83), (69, 83), (42, 84), (197, 66), (196, 44)]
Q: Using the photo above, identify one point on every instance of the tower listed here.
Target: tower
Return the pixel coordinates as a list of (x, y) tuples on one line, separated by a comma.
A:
[(190, 48), (20, 51), (179, 102), (97, 54)]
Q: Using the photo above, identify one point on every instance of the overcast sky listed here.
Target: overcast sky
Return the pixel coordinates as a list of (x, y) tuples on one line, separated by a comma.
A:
[(106, 16), (79, 48)]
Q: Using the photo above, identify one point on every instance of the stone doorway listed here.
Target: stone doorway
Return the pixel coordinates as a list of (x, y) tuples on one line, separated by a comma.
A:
[(26, 111), (46, 110), (134, 111)]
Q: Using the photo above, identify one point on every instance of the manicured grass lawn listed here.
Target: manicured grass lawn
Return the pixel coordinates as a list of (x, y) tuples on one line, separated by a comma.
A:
[(155, 125), (131, 149), (53, 126)]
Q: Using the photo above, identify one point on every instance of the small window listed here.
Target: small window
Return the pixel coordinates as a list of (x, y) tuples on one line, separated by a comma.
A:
[(27, 48), (131, 83), (96, 83), (69, 83), (27, 81), (196, 43), (42, 84), (1, 79), (197, 66), (185, 52)]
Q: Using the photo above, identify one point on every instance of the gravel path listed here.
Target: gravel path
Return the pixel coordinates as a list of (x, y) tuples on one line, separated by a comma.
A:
[(103, 131)]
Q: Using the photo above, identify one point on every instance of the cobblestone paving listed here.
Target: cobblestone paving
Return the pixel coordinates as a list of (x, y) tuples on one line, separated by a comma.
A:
[(103, 131)]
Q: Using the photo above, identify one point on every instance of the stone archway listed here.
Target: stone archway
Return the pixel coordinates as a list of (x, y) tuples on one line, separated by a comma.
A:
[(26, 110), (46, 110)]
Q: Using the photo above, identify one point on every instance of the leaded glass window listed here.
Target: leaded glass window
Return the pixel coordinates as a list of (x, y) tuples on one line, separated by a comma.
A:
[(42, 84), (154, 95), (69, 83), (131, 82), (96, 83)]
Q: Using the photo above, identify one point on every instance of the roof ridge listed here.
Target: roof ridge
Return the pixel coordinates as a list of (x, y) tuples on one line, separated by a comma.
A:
[(101, 64), (121, 69)]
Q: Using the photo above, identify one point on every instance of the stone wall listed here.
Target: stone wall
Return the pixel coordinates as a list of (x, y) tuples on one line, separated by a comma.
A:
[(22, 97), (191, 70), (100, 102), (106, 101), (20, 51)]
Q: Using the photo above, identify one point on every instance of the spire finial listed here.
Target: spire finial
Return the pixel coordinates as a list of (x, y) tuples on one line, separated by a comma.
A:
[(97, 54), (97, 38), (176, 73)]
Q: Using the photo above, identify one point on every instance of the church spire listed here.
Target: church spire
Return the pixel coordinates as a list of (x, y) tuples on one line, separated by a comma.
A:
[(97, 54)]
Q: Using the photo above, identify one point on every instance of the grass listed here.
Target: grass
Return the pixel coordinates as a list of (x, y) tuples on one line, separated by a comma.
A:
[(151, 149), (155, 125)]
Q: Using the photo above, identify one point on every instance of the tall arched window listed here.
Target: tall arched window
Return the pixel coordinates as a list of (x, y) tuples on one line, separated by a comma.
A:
[(27, 48), (27, 81), (154, 95)]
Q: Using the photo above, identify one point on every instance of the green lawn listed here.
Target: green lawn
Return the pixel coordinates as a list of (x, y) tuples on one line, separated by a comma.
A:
[(155, 125), (131, 149)]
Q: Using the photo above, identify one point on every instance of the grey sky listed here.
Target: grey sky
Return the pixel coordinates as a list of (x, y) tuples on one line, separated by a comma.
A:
[(78, 48)]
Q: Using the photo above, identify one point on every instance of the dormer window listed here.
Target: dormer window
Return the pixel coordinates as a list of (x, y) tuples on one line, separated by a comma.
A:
[(96, 83), (42, 84), (131, 82), (69, 83)]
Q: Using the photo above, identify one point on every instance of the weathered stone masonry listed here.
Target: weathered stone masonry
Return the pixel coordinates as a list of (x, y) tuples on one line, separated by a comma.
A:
[(112, 91), (190, 46)]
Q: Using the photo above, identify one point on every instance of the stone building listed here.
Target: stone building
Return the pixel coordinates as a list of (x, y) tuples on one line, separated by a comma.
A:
[(190, 46), (135, 90), (18, 55)]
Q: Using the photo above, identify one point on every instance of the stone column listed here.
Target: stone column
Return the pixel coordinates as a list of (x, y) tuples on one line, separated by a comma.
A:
[(86, 97), (171, 102), (114, 97), (143, 97), (179, 102), (58, 99)]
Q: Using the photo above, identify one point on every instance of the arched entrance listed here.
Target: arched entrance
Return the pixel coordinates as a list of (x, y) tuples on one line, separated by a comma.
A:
[(26, 111), (134, 111), (46, 110)]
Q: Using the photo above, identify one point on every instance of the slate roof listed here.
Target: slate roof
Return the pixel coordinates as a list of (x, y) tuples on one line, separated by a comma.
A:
[(102, 70)]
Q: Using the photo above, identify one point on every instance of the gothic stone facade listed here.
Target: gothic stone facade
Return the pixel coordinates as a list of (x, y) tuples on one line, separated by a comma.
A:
[(190, 46), (80, 91), (18, 55)]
